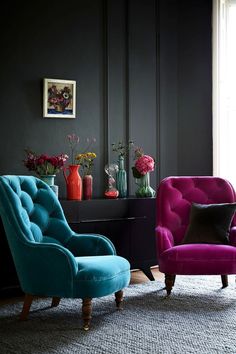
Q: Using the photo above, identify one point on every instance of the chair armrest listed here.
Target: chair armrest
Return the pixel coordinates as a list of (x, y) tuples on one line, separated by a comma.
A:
[(46, 269), (232, 236), (164, 239), (90, 245)]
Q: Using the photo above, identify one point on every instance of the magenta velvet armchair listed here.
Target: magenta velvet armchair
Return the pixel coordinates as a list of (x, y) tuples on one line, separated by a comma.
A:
[(174, 199)]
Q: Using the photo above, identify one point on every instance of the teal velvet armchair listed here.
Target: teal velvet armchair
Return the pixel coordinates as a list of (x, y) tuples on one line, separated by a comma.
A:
[(50, 259)]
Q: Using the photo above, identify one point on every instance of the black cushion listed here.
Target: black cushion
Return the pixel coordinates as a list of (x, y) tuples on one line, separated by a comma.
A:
[(210, 223)]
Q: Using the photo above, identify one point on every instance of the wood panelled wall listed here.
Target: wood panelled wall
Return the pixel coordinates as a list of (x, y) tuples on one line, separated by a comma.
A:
[(143, 72)]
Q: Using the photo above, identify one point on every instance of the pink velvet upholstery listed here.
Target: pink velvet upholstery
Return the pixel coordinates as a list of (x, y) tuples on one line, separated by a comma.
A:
[(174, 199)]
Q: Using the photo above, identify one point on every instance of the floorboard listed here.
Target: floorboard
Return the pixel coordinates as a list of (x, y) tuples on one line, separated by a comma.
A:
[(137, 276)]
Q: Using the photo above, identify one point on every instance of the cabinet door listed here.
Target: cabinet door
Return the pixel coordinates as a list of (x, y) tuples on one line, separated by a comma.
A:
[(143, 243), (118, 231), (143, 247)]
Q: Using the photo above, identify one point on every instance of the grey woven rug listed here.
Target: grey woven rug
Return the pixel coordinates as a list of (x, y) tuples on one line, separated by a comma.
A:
[(199, 317)]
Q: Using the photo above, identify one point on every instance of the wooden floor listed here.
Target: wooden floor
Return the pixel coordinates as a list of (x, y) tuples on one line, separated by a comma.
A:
[(137, 276)]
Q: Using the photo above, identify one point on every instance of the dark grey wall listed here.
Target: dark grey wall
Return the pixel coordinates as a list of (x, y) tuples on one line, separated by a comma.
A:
[(185, 87), (143, 72), (195, 89)]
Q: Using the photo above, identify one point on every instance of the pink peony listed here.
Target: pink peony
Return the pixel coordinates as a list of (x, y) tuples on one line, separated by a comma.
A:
[(144, 164)]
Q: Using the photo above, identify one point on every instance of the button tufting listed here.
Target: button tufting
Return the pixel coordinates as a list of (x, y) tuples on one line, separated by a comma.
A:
[(38, 211), (181, 192)]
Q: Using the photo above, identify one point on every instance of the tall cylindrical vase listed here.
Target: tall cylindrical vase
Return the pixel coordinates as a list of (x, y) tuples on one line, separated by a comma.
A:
[(121, 178), (49, 179), (73, 182), (87, 187), (144, 189)]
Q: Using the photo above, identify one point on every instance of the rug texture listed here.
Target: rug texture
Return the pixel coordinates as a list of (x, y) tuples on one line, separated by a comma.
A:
[(199, 317)]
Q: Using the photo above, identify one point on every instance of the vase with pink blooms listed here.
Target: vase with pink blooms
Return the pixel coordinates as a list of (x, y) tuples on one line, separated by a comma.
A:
[(144, 164)]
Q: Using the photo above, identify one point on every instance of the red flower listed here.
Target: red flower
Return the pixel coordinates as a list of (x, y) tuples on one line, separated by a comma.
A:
[(44, 164)]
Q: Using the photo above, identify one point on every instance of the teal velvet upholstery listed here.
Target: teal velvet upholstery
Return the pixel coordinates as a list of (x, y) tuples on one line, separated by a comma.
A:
[(51, 259)]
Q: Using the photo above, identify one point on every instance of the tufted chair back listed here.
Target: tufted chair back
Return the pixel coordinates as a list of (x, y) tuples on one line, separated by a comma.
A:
[(176, 194), (33, 211)]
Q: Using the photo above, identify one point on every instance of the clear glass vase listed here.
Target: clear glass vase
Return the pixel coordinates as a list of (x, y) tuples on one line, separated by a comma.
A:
[(144, 189), (111, 192), (121, 178)]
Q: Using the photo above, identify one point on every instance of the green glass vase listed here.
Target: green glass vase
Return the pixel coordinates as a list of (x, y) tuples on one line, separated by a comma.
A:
[(144, 189), (121, 178)]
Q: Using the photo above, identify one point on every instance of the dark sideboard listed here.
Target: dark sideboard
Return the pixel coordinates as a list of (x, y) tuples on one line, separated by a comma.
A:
[(128, 222)]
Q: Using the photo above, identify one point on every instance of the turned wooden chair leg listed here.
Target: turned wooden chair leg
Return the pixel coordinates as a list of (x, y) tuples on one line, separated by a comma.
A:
[(87, 313), (119, 299), (169, 282), (224, 279), (55, 301), (26, 307)]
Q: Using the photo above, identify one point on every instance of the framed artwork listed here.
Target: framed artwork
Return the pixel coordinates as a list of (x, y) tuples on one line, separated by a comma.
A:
[(59, 98)]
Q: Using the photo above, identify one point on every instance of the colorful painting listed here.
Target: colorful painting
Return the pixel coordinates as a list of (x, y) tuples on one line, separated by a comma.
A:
[(59, 99)]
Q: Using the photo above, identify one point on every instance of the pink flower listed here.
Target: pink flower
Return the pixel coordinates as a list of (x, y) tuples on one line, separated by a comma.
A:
[(144, 164), (63, 157)]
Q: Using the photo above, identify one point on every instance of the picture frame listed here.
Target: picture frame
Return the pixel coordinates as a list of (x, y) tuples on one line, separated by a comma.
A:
[(59, 98)]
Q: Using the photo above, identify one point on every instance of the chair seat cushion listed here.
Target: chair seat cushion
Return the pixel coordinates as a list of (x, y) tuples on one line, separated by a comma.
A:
[(101, 275), (199, 259)]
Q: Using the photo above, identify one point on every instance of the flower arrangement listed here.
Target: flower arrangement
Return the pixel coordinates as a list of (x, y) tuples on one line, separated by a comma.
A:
[(143, 164), (43, 164), (86, 161), (59, 98), (122, 148)]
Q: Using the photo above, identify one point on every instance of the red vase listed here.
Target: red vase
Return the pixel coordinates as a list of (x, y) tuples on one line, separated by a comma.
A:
[(73, 182), (87, 187)]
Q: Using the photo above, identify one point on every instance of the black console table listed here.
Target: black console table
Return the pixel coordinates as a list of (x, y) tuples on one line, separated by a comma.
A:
[(128, 222)]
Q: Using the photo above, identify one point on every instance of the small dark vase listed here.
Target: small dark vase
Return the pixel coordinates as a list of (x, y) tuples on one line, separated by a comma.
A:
[(87, 187)]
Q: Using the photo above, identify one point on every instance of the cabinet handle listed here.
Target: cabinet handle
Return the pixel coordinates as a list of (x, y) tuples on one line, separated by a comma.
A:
[(130, 218)]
